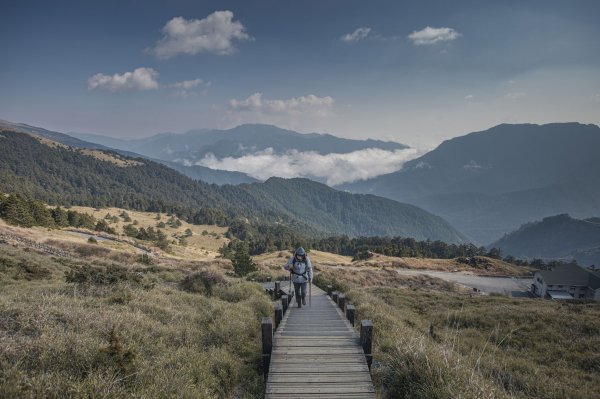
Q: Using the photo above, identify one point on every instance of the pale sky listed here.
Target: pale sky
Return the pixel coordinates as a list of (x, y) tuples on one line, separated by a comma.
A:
[(416, 72)]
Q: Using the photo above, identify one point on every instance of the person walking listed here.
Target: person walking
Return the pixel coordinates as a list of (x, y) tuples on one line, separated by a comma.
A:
[(302, 273)]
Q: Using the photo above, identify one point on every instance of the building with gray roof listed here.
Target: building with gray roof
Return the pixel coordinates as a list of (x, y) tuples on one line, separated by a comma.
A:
[(567, 282)]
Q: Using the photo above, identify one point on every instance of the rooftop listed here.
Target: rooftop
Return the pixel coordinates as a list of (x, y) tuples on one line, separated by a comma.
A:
[(571, 275)]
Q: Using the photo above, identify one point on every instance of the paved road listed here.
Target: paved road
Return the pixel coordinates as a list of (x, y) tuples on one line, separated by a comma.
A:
[(512, 286), (501, 285)]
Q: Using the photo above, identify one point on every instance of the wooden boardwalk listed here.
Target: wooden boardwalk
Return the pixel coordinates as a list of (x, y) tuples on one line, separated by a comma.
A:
[(317, 354)]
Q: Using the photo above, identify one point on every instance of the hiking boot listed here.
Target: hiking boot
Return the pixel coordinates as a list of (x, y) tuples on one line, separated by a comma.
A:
[(299, 304), (304, 300)]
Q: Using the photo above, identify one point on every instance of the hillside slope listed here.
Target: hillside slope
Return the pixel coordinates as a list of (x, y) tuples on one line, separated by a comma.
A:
[(488, 183), (63, 175), (556, 237)]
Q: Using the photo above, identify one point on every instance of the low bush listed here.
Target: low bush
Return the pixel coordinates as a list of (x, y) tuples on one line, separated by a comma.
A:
[(202, 282), (126, 341), (109, 274)]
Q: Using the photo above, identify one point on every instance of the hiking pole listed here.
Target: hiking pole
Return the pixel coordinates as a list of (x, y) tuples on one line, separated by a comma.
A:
[(290, 288), (309, 292)]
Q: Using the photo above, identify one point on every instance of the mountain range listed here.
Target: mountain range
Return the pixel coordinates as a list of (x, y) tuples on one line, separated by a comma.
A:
[(193, 146), (196, 172), (555, 237), (61, 174), (489, 183)]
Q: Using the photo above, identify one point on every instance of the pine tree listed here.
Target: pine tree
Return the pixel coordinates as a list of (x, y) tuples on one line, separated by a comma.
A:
[(60, 217), (41, 214), (242, 263), (15, 210)]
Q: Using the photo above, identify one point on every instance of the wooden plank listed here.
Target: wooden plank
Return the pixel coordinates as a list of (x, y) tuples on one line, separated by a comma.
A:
[(308, 350), (319, 377), (339, 388), (322, 396), (317, 354), (324, 368), (316, 358)]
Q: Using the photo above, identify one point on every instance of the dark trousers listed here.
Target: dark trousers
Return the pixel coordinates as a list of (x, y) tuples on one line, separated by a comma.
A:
[(300, 290)]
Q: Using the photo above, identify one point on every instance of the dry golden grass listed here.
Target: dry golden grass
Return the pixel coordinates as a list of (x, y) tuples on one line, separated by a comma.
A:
[(486, 266), (316, 257), (388, 278), (432, 342), (204, 243), (112, 158), (118, 328)]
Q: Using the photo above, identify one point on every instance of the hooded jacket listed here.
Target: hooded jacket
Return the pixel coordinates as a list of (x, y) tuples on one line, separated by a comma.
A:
[(301, 269)]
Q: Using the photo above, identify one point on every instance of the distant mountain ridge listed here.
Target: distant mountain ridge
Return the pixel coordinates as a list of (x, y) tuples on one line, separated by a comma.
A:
[(555, 237), (195, 172), (242, 140), (62, 175), (488, 183)]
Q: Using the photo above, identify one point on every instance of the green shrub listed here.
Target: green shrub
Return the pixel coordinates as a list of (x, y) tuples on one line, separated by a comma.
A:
[(19, 268), (110, 274), (202, 282)]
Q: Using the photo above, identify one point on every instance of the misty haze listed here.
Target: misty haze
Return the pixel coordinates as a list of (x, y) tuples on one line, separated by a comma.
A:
[(300, 199)]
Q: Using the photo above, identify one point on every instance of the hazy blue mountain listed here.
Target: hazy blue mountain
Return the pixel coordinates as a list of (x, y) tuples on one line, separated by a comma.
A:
[(555, 237), (51, 135), (203, 173), (245, 139), (488, 183), (65, 175)]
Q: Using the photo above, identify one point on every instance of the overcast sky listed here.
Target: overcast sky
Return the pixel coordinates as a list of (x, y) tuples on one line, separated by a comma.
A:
[(416, 72)]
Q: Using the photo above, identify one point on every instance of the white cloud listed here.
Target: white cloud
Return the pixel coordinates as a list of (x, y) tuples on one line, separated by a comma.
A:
[(213, 34), (469, 97), (310, 104), (333, 168), (357, 35), (139, 79), (431, 35), (187, 88), (144, 79)]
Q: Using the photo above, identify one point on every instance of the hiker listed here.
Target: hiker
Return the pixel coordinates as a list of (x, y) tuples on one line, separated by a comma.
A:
[(302, 273)]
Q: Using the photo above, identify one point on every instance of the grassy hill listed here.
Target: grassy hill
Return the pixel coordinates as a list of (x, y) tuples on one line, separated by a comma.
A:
[(111, 323), (58, 174), (434, 341), (115, 326)]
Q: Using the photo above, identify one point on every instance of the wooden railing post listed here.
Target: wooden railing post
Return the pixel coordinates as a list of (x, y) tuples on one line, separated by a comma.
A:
[(334, 296), (350, 312), (266, 326), (342, 301), (276, 289), (366, 339), (278, 314), (329, 290), (284, 303)]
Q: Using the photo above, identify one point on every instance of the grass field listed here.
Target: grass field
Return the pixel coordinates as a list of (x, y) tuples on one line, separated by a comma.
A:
[(110, 323), (118, 327), (432, 344), (203, 244)]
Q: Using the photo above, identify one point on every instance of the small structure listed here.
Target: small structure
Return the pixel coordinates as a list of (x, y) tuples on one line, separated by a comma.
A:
[(567, 282)]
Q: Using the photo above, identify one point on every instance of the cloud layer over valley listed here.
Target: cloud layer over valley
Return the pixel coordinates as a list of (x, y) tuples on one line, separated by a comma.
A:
[(334, 169)]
